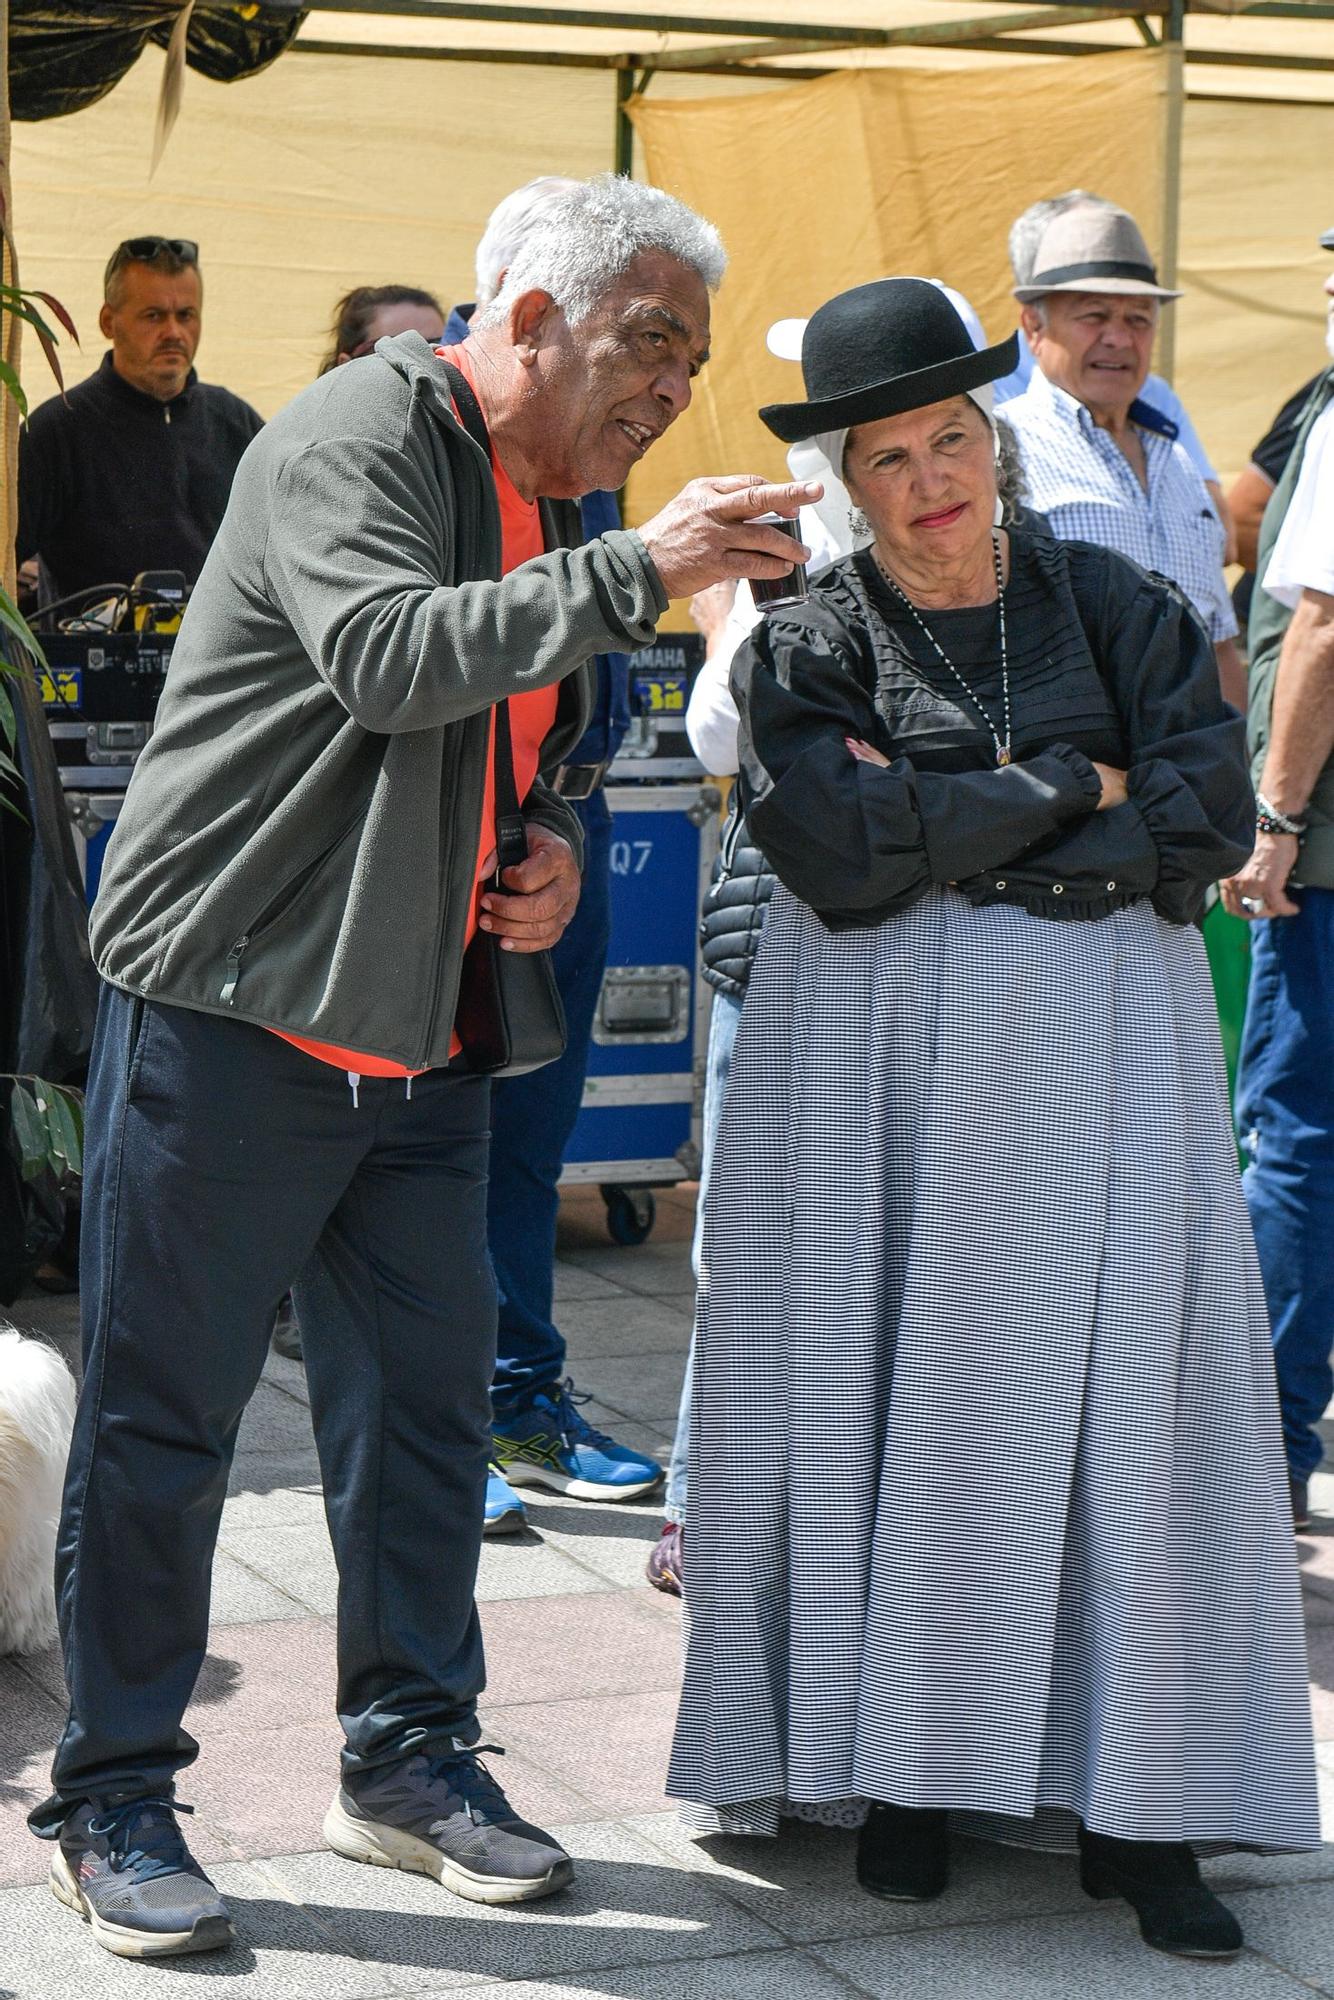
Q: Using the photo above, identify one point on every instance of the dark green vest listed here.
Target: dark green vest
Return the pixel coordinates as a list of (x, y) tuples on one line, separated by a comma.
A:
[(1268, 626)]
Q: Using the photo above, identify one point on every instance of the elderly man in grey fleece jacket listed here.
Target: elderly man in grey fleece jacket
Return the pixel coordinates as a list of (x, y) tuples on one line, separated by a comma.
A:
[(277, 1091)]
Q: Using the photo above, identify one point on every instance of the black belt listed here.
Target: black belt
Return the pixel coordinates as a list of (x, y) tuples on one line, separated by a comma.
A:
[(580, 781)]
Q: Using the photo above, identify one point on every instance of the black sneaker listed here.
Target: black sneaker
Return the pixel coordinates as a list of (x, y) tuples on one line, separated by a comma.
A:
[(129, 1874), (446, 1817)]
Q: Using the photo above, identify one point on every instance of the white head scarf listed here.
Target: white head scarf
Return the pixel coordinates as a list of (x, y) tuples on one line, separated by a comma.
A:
[(821, 457)]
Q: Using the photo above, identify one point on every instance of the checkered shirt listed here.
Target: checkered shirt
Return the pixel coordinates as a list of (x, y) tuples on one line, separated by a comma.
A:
[(1088, 490)]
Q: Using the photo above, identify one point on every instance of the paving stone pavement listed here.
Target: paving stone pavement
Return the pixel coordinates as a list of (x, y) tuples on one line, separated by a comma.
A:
[(584, 1662)]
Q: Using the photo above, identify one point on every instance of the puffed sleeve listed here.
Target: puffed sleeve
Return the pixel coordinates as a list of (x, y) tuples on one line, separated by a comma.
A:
[(1187, 776), (858, 841)]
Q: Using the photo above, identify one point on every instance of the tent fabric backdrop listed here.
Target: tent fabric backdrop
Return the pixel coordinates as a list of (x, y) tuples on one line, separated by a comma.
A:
[(322, 173), (1257, 194), (873, 173), (329, 171), (829, 183)]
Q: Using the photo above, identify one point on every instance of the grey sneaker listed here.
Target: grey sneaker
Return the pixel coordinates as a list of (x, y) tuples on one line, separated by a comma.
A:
[(446, 1817), (129, 1874)]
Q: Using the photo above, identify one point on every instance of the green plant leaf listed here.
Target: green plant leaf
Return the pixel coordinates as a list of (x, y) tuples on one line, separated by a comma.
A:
[(13, 620), (34, 319), (10, 774), (8, 726), (29, 1129), (14, 386), (63, 1134), (23, 308), (60, 313), (72, 1099)]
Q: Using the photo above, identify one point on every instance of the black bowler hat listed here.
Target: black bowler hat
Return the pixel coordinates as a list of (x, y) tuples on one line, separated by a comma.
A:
[(881, 349)]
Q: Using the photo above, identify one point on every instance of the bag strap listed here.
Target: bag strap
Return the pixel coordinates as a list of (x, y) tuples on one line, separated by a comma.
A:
[(468, 408), (511, 834)]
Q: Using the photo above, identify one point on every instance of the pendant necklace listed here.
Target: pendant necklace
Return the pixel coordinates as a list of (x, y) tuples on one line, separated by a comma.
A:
[(1004, 754)]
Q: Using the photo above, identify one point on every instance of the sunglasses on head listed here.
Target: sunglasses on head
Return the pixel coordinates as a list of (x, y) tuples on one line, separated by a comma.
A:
[(143, 250)]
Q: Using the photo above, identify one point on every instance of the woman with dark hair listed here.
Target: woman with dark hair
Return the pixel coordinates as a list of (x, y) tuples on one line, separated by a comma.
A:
[(987, 1518), (371, 312)]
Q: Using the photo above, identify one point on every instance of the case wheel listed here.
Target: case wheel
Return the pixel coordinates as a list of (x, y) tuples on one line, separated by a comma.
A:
[(631, 1213)]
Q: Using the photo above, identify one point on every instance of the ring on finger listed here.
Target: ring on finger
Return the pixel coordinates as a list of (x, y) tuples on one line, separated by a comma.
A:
[(1253, 905)]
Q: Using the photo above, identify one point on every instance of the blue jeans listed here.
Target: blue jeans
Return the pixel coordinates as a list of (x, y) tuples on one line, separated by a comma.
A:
[(1285, 1114), (222, 1166), (532, 1118), (722, 1035)]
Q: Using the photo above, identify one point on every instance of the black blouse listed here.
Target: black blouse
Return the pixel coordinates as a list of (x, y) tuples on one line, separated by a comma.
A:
[(1107, 663)]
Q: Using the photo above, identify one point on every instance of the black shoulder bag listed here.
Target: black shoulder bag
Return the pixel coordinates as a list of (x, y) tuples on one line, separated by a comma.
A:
[(509, 1017)]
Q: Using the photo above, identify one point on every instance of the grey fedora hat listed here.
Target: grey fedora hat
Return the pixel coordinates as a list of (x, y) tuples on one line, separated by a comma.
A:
[(1093, 250)]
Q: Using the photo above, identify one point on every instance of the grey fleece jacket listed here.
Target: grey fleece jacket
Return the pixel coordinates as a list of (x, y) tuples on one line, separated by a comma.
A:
[(298, 844)]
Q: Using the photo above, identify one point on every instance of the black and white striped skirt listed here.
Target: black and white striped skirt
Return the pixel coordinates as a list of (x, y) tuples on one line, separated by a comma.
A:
[(987, 1504)]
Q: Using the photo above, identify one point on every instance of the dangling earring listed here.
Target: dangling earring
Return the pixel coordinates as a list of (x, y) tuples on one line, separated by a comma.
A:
[(858, 523)]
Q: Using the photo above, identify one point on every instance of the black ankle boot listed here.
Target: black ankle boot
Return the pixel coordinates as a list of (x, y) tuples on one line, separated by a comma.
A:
[(903, 1853), (1160, 1880)]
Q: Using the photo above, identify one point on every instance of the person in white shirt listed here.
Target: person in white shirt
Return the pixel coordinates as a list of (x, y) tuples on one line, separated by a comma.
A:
[(1285, 1082)]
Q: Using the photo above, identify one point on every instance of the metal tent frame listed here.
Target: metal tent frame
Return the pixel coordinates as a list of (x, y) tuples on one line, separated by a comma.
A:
[(792, 51)]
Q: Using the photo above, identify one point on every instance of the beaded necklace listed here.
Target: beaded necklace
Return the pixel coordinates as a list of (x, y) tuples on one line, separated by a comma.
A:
[(1004, 753)]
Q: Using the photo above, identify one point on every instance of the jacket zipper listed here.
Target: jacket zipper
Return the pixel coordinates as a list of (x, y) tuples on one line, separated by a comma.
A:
[(270, 913), (234, 957), (730, 843), (449, 842)]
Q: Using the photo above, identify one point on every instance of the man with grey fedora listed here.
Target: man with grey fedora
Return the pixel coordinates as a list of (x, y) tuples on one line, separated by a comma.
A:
[(1101, 470)]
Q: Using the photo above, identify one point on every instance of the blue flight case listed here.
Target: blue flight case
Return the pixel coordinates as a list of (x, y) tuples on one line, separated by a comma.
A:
[(100, 692), (639, 1127)]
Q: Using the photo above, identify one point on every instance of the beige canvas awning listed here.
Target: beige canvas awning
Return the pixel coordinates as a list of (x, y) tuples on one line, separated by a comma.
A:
[(374, 150)]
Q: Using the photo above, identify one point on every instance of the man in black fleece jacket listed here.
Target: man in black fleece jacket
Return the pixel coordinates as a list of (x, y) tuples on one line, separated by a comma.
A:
[(131, 471)]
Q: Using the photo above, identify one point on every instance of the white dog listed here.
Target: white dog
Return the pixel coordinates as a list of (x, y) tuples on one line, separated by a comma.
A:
[(36, 1417)]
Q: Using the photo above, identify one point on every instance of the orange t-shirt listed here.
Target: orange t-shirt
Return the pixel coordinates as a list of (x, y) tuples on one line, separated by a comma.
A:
[(531, 719)]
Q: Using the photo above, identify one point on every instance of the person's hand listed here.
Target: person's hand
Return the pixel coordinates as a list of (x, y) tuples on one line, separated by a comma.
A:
[(866, 753), (544, 895), (1113, 787), (702, 535), (1260, 888), (711, 608)]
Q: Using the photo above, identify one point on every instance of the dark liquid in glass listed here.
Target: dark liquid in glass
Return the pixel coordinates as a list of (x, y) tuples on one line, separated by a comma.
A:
[(789, 589)]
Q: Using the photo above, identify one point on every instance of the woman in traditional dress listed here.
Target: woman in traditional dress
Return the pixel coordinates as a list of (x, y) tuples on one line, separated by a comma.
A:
[(987, 1512)]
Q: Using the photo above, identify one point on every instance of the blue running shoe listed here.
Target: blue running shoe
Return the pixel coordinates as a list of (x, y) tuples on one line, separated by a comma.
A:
[(504, 1511), (548, 1442), (129, 1874)]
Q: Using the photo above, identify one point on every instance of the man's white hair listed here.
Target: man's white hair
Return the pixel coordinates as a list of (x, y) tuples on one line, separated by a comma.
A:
[(1027, 230), (588, 235), (509, 223)]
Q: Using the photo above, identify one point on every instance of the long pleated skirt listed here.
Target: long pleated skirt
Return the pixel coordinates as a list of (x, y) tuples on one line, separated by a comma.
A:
[(987, 1504)]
